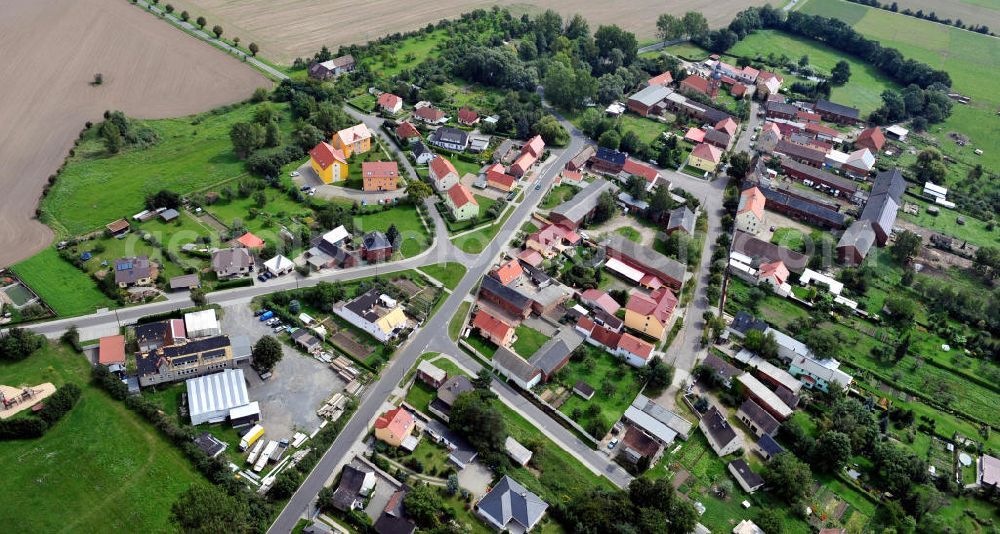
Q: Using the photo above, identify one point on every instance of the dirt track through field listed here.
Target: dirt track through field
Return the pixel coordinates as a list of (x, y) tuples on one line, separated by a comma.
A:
[(298, 28), (51, 51)]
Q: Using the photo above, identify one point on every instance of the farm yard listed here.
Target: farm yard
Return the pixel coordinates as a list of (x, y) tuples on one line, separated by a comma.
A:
[(298, 28), (187, 77)]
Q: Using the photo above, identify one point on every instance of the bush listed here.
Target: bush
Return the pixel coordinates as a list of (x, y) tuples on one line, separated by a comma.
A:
[(59, 403)]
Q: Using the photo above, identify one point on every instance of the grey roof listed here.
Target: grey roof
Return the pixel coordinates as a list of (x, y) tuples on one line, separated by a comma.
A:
[(741, 469), (376, 241), (509, 501), (555, 352), (652, 95), (717, 136), (744, 322), (759, 416), (316, 527), (781, 107), (230, 260), (350, 485), (768, 445), (611, 155), (836, 109), (508, 294), (419, 148), (584, 388), (718, 427), (682, 218), (859, 235), (169, 214), (130, 270), (646, 256), (304, 338), (185, 281), (664, 416), (885, 199), (773, 196), (514, 364), (209, 444), (891, 182), (762, 251), (798, 151), (819, 175), (723, 368), (583, 202), (453, 387), (450, 135)]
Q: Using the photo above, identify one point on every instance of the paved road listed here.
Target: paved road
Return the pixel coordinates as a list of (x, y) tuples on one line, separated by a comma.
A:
[(661, 45)]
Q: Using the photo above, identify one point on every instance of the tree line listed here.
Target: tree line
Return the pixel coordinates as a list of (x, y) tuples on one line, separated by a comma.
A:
[(932, 16)]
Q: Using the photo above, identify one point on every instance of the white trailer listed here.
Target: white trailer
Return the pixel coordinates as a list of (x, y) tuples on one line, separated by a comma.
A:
[(265, 456), (256, 450), (298, 439)]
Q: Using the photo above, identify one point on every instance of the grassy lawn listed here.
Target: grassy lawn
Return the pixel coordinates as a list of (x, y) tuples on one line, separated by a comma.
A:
[(364, 101), (974, 230), (278, 211), (556, 196), (648, 130), (790, 238), (420, 396), (407, 221), (449, 274), (630, 233), (685, 50), (458, 321), (528, 341), (481, 344), (476, 242), (405, 54), (96, 470), (62, 286), (605, 368), (193, 153)]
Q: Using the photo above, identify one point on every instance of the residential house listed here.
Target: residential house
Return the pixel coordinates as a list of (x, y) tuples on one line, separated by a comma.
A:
[(554, 354), (750, 213), (578, 210), (756, 419), (390, 103), (450, 139), (510, 507), (379, 175), (743, 322), (638, 446), (186, 360), (747, 479), (430, 374), (467, 117), (551, 239), (768, 448), (118, 228), (394, 427), (460, 452), (111, 351), (356, 484), (722, 369), (505, 298), (855, 242), (498, 179), (279, 265), (768, 137), (764, 397), (134, 271), (407, 132), (649, 100), (608, 161), (642, 265), (780, 110), (819, 374), (429, 114), (375, 246), (423, 155), (769, 83), (516, 369), (443, 174), (838, 113), (530, 153), (393, 518), (871, 138), (859, 163), (720, 434), (307, 341), (634, 168), (883, 204), (493, 328), (461, 203), (682, 219), (185, 281), (650, 314), (633, 350), (705, 157), (328, 163), (697, 84), (581, 159), (232, 262), (595, 298), (375, 313), (656, 421), (332, 68), (665, 78), (354, 140), (151, 336), (447, 394), (330, 250), (774, 273)]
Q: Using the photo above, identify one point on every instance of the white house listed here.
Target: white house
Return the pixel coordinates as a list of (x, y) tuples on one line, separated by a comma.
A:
[(375, 313), (462, 204), (443, 174), (279, 265), (750, 213), (202, 324)]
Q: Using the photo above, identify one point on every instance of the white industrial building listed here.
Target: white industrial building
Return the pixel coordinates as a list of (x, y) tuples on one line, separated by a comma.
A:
[(202, 323), (212, 397)]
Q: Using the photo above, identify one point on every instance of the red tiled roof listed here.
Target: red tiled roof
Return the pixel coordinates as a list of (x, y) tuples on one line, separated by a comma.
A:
[(500, 178), (602, 299), (604, 336), (776, 269), (441, 167), (531, 257), (460, 195), (636, 346), (807, 116), (552, 234), (585, 323), (535, 146), (405, 130), (874, 136), (380, 169), (573, 175), (249, 240), (353, 134), (727, 125), (509, 271), (695, 83), (111, 350), (467, 116), (524, 161), (659, 304), (429, 113), (661, 79), (492, 325), (738, 90), (398, 421), (389, 100), (638, 169), (750, 71), (752, 200), (695, 135), (707, 152), (639, 442), (325, 154), (822, 129)]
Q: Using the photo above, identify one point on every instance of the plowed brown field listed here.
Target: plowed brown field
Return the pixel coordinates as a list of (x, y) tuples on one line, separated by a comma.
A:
[(51, 50), (298, 28)]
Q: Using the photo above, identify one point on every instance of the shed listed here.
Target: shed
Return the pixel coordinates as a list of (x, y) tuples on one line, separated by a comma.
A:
[(583, 389), (212, 397), (517, 452)]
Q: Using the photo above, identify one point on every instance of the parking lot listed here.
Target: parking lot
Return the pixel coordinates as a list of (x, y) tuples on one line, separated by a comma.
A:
[(298, 385)]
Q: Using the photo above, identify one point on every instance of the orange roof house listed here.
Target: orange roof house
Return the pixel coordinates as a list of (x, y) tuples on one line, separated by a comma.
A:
[(651, 313), (111, 350), (462, 204), (328, 162), (697, 84), (380, 175), (443, 173), (774, 273), (750, 213), (705, 157), (508, 272), (661, 79), (535, 145), (493, 327), (635, 351), (467, 117), (390, 102), (354, 140), (638, 169), (727, 125), (500, 180), (407, 131), (248, 240), (394, 426), (695, 135), (872, 138)]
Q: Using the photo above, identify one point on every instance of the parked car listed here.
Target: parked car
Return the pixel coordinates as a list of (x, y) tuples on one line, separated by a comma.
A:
[(613, 443), (304, 188), (259, 312), (538, 186), (293, 174), (262, 278)]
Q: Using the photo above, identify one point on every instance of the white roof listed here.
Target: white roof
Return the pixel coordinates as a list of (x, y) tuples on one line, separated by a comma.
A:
[(845, 302), (747, 527), (943, 202), (788, 342), (897, 130), (650, 424), (247, 409), (305, 318), (765, 395), (779, 375), (214, 395), (431, 370), (862, 158), (826, 369), (278, 263), (810, 275), (518, 452), (631, 273), (935, 189), (837, 156), (200, 321), (742, 267), (336, 235), (740, 257)]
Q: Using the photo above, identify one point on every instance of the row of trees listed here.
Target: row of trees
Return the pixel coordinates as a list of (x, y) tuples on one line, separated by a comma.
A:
[(18, 343), (932, 16)]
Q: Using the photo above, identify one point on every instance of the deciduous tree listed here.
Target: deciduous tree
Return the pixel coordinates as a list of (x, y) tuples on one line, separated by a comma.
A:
[(266, 353)]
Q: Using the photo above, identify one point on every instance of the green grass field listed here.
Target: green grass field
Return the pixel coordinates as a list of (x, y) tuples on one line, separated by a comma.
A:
[(407, 54), (626, 387), (458, 321), (528, 341), (66, 289), (556, 196), (100, 469), (193, 153), (407, 221), (449, 274), (865, 87), (946, 222), (476, 242)]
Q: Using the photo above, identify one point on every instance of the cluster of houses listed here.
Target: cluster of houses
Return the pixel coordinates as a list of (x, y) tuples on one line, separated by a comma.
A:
[(330, 161), (337, 248)]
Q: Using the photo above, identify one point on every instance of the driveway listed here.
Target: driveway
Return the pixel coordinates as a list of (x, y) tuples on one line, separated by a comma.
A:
[(307, 176)]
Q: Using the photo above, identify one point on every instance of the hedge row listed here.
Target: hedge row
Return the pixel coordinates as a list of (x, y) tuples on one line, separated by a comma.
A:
[(56, 406)]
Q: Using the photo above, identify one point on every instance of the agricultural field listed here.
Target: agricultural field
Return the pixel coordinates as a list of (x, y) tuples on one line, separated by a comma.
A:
[(298, 28), (187, 77), (194, 153), (968, 11), (66, 289), (93, 471)]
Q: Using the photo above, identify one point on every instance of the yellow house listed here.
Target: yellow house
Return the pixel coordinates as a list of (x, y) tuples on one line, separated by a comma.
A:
[(328, 162), (354, 140), (705, 157), (650, 314), (393, 319), (394, 426)]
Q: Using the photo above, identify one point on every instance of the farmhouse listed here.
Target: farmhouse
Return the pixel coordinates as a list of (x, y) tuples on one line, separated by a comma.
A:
[(461, 203), (650, 314), (665, 78), (802, 172), (838, 113), (699, 85), (134, 271), (530, 152), (581, 159), (760, 251), (450, 139), (750, 213), (379, 175), (493, 328), (705, 157), (595, 298), (443, 174), (390, 103), (375, 313), (695, 135), (797, 207), (649, 100), (872, 139), (354, 140), (580, 208), (720, 434), (394, 427), (232, 262), (507, 299), (768, 83), (654, 269), (329, 163), (332, 68), (769, 136), (802, 154)]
